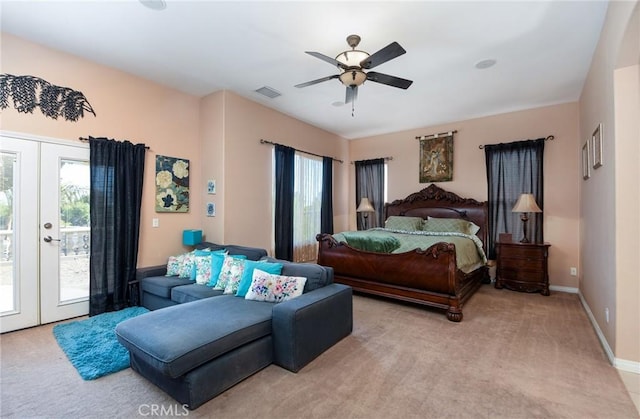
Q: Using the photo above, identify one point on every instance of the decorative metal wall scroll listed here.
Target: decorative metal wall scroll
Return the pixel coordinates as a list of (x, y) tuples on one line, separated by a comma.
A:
[(29, 92)]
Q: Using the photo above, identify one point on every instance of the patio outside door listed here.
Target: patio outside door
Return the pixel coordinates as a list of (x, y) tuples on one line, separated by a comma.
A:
[(44, 231)]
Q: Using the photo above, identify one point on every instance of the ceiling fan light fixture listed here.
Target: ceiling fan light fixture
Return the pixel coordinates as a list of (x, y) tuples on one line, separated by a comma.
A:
[(352, 58), (353, 77)]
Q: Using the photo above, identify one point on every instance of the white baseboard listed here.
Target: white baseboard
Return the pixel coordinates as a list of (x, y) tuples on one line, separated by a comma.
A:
[(570, 290), (621, 364)]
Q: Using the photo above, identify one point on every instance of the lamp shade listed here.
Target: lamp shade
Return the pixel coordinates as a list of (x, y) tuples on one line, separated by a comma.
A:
[(365, 206), (526, 203), (191, 237)]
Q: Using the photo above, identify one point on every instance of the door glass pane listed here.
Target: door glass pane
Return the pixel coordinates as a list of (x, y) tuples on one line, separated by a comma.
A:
[(74, 230), (8, 180)]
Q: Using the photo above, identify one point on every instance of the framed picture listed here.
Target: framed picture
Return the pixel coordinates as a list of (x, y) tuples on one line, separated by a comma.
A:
[(211, 187), (436, 159), (172, 184), (586, 166), (596, 146), (211, 209)]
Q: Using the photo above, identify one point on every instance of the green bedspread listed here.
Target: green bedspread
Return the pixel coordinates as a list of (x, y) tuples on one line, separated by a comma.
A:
[(469, 252), (364, 240)]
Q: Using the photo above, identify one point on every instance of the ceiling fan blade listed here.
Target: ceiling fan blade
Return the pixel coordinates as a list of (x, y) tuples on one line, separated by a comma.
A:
[(312, 82), (327, 59), (387, 53), (389, 80), (352, 94)]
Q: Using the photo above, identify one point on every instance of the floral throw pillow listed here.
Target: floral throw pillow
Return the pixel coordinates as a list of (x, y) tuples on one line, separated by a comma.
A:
[(188, 261), (274, 288), (202, 266), (173, 265), (231, 272)]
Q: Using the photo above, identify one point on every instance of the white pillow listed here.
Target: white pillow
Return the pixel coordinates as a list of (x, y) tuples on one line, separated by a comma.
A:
[(274, 288)]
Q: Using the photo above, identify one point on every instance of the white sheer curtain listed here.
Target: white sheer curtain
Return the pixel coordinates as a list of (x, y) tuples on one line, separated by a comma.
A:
[(307, 207)]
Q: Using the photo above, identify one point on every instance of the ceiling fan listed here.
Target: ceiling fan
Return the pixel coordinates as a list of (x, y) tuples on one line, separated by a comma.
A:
[(353, 63)]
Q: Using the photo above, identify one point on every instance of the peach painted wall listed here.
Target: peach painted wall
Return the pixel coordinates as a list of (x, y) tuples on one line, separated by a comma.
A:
[(561, 167), (248, 167), (212, 113), (609, 199), (127, 107)]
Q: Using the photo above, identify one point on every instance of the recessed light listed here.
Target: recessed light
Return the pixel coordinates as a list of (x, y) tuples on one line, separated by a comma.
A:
[(481, 65), (337, 104), (154, 4)]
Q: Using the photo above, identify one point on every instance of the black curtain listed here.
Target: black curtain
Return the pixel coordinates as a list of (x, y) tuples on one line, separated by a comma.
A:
[(370, 184), (513, 169), (116, 172), (326, 206), (285, 175)]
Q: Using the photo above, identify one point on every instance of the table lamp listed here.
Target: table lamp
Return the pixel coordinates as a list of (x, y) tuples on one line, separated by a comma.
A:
[(191, 237), (526, 204), (365, 208)]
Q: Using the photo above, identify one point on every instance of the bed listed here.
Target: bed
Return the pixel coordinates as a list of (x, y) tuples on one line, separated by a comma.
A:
[(429, 276)]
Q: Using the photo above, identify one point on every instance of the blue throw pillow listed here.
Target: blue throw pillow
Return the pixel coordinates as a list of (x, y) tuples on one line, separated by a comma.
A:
[(247, 274)]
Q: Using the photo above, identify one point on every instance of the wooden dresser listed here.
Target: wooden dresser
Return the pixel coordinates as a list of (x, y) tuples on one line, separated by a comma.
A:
[(523, 267)]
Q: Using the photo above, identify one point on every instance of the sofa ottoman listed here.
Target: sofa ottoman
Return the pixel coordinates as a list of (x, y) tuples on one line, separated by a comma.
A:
[(171, 346)]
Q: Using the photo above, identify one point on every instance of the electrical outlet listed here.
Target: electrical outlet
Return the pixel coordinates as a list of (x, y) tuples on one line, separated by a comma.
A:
[(606, 314), (573, 271), (155, 222)]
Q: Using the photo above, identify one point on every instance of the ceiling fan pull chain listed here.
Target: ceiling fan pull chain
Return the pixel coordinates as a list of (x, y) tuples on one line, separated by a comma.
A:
[(353, 115)]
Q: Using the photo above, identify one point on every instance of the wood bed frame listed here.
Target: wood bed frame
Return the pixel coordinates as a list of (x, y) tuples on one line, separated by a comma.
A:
[(428, 277)]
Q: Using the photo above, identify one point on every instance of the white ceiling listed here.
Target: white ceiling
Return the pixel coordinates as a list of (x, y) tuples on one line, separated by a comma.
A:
[(543, 52)]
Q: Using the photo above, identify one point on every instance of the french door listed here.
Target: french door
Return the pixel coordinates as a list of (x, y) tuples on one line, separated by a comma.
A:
[(44, 232)]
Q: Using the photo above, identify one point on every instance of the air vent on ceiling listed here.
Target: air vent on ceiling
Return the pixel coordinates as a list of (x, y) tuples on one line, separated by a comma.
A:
[(269, 92)]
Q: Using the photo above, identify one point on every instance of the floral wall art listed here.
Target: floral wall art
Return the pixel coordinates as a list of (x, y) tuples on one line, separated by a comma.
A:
[(172, 184)]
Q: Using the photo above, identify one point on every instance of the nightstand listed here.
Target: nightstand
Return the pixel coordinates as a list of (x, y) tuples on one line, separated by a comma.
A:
[(523, 267)]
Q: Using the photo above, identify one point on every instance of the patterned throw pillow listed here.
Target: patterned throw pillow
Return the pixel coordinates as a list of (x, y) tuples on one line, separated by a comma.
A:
[(173, 265), (455, 225), (202, 268), (232, 269), (247, 275), (186, 269), (274, 288), (202, 265), (403, 223)]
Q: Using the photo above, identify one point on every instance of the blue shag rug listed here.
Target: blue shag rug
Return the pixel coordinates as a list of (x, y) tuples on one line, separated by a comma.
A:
[(91, 345)]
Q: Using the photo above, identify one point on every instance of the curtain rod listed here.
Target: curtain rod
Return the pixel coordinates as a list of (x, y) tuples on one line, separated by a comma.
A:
[(549, 138), (424, 137), (385, 159), (86, 139), (301, 151)]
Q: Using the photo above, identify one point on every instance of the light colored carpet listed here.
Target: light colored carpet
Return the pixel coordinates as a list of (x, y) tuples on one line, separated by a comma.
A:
[(514, 355)]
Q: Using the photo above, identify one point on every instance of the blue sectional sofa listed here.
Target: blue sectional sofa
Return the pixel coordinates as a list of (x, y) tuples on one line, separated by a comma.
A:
[(197, 343)]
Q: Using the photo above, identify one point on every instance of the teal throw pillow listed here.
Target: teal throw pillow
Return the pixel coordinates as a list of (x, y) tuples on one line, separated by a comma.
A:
[(247, 274)]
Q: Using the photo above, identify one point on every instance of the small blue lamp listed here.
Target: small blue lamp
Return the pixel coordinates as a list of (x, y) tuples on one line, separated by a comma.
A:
[(191, 237)]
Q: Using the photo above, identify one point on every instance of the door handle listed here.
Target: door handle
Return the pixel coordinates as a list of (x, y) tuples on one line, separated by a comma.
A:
[(48, 239)]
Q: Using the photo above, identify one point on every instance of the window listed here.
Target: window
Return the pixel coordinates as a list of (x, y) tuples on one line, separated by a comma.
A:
[(307, 207)]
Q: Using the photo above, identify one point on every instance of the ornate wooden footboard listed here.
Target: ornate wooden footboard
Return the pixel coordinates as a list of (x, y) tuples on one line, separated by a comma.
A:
[(428, 277)]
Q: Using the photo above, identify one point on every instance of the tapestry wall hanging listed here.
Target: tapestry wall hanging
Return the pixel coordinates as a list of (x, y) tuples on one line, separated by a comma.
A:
[(436, 158), (172, 184), (29, 92)]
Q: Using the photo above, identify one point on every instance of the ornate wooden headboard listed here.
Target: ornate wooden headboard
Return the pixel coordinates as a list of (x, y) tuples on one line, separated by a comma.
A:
[(436, 202)]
